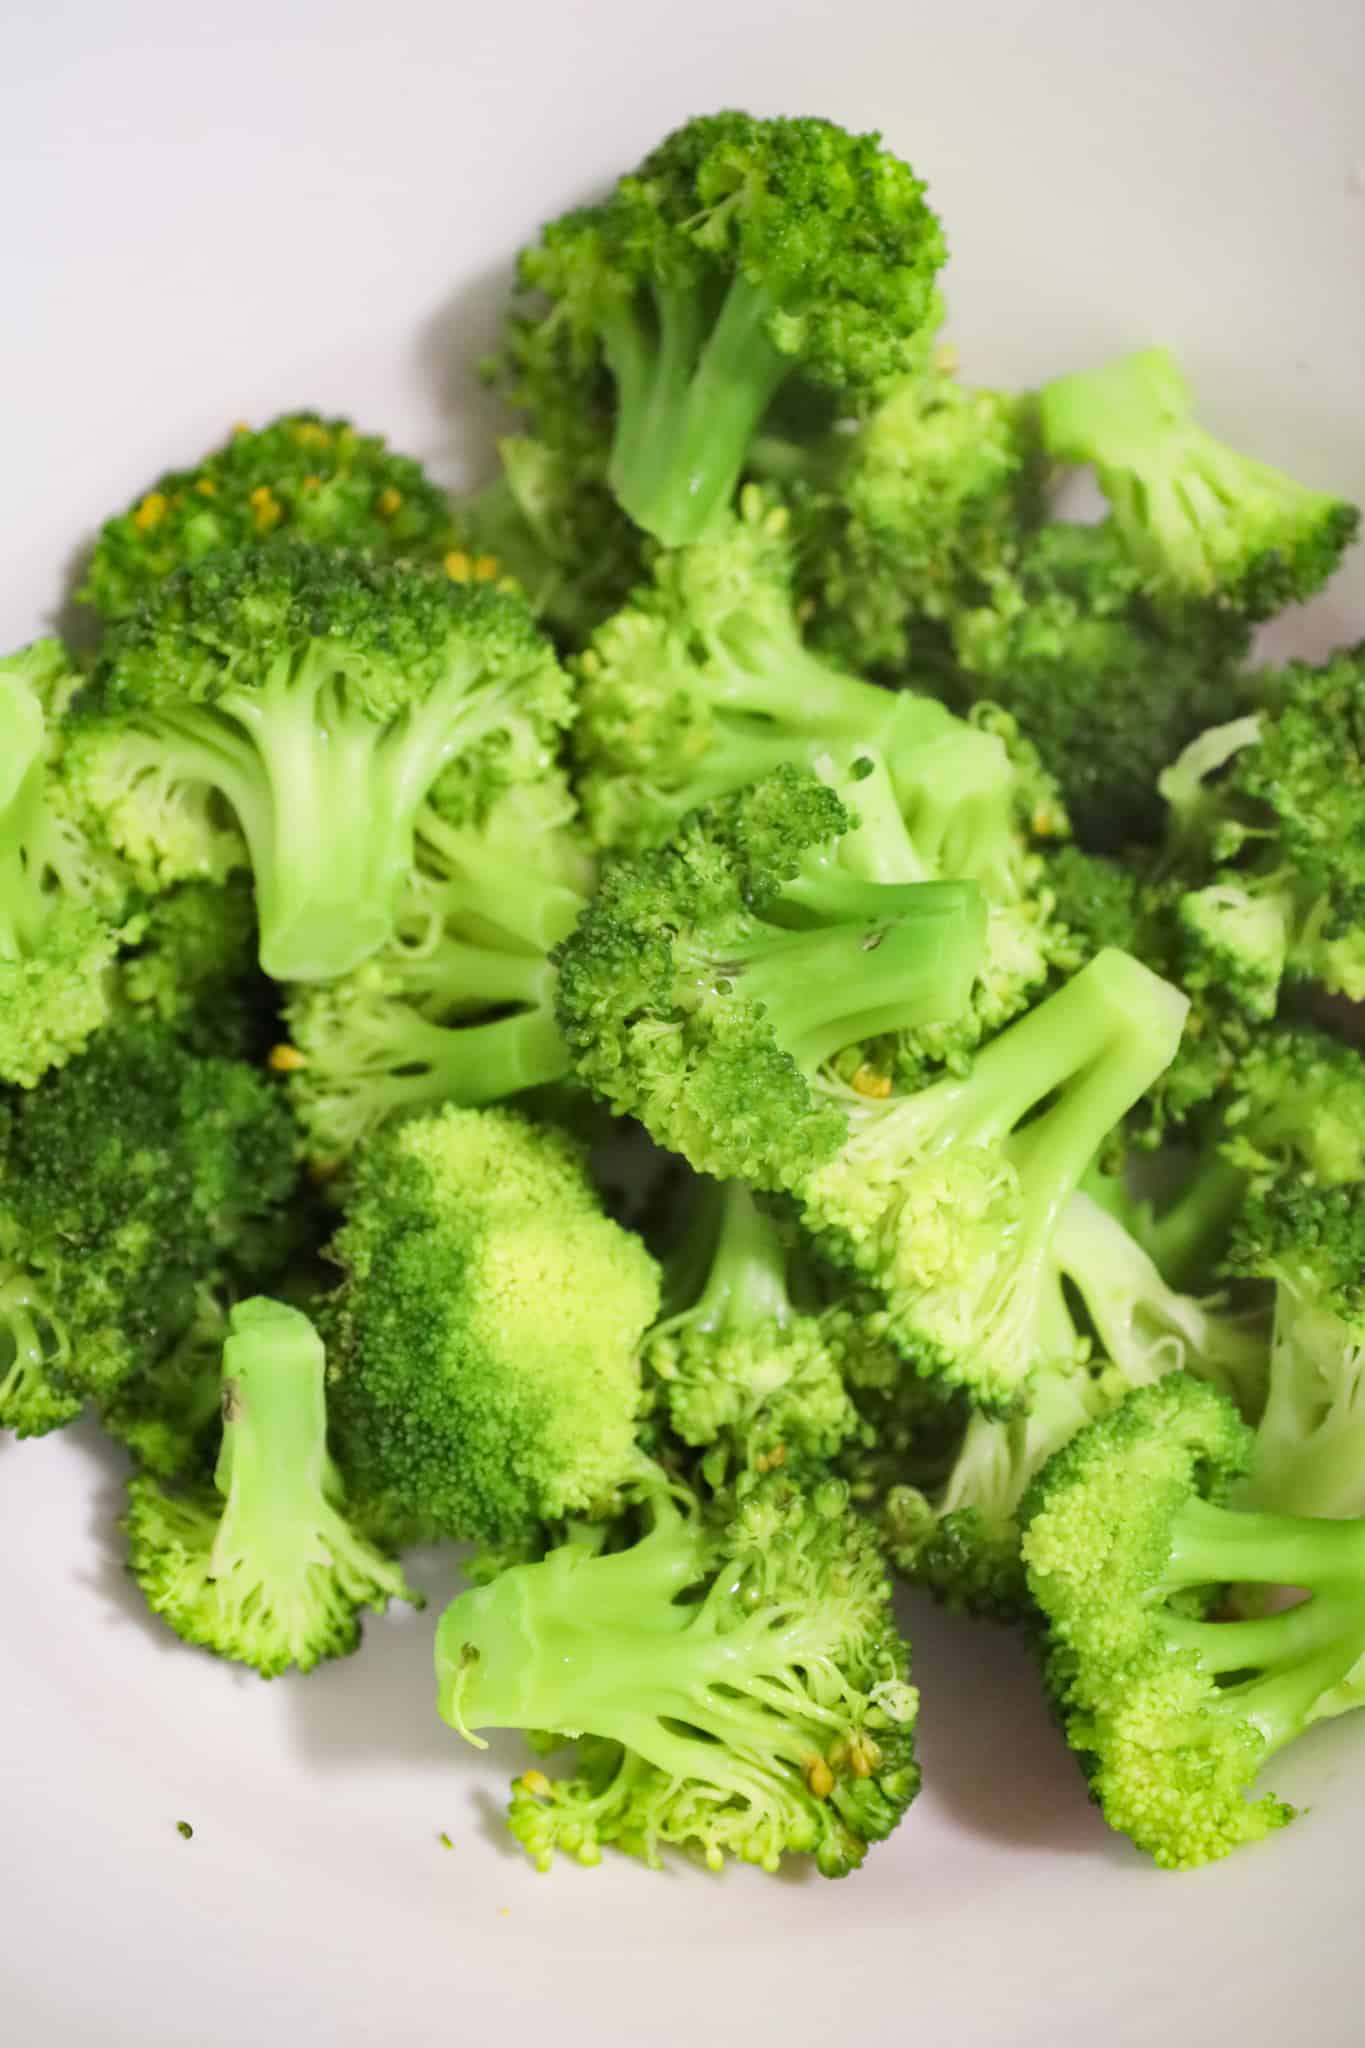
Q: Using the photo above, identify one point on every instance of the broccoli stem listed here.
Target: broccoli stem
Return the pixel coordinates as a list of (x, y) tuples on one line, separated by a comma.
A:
[(688, 404), (413, 1061), (1186, 1237), (1212, 1545), (516, 897), (1310, 1441), (33, 1349), (458, 975), (828, 988), (738, 1266)]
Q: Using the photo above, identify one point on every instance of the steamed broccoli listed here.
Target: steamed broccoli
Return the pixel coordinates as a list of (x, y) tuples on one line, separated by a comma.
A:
[(1127, 1547), (319, 696), (193, 967), (1199, 520), (741, 255), (708, 982), (271, 1574), (947, 1200), (301, 478), (1059, 633), (129, 1180), (168, 1413), (485, 1341), (743, 1364), (64, 902), (733, 1674)]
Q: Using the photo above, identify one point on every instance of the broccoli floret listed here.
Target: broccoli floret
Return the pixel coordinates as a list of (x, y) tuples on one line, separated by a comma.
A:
[(1059, 633), (271, 1574), (1297, 1110), (1199, 520), (1310, 1437), (319, 695), (194, 968), (63, 901), (1173, 1714), (743, 1364), (741, 255), (459, 1006), (734, 1674), (168, 1414), (485, 1341), (556, 531), (947, 1200), (709, 981), (894, 514), (129, 1180), (302, 477)]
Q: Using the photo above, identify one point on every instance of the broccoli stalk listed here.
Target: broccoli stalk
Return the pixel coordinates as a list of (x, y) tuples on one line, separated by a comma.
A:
[(948, 1200), (320, 696), (271, 1575), (741, 253), (1174, 1714), (1200, 519), (742, 1662)]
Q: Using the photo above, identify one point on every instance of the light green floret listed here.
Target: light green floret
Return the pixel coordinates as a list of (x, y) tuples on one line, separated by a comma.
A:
[(1236, 941), (307, 699), (63, 902), (1174, 1715), (486, 1339), (742, 1363), (948, 1200), (734, 1676), (267, 1571), (1200, 519)]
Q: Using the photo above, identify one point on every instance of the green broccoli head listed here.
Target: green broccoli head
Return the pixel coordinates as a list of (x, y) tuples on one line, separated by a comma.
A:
[(486, 1338), (301, 478), (1059, 633), (129, 1180), (1174, 1714), (193, 967), (947, 1201), (318, 696), (734, 1674), (708, 982), (64, 901), (263, 1567), (741, 255), (1199, 520), (1296, 1110), (743, 1365)]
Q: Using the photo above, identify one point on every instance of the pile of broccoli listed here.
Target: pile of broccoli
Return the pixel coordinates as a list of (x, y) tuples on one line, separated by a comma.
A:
[(745, 1014)]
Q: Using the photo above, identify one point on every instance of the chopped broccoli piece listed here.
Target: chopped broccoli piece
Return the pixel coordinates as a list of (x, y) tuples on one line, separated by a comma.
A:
[(319, 695), (485, 1342), (708, 982), (301, 478), (194, 968), (1173, 1714), (168, 1413), (129, 1180), (742, 254), (271, 1574), (947, 1200), (1199, 520), (734, 1675)]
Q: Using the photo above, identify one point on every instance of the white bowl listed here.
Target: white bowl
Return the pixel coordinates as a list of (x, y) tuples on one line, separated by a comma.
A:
[(215, 213)]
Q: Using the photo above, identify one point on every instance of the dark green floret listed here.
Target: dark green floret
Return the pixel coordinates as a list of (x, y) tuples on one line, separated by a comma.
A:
[(262, 1567), (732, 1672), (741, 255)]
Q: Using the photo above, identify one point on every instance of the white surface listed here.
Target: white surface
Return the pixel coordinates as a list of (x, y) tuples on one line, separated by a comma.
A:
[(211, 214)]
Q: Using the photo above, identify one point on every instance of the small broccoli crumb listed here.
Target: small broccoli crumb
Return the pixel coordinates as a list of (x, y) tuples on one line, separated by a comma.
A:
[(184, 1830)]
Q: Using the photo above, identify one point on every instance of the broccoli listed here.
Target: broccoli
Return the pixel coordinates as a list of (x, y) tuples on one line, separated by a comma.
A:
[(1173, 1714), (301, 478), (895, 515), (459, 1005), (319, 695), (271, 1574), (129, 1180), (168, 1413), (485, 1340), (1059, 633), (947, 1200), (733, 1673), (742, 255), (743, 1364), (193, 967), (63, 902), (709, 981), (557, 534), (1199, 520), (1310, 1436)]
